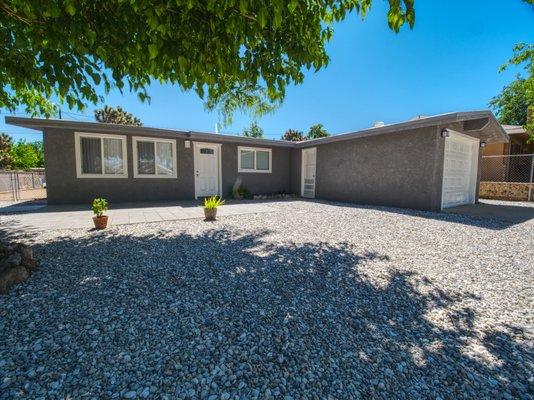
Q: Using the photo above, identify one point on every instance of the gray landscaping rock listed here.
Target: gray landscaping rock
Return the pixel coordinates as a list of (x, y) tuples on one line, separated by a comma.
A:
[(314, 301)]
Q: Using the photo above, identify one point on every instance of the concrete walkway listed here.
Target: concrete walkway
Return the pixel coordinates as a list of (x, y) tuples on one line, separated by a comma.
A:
[(75, 216), (509, 211)]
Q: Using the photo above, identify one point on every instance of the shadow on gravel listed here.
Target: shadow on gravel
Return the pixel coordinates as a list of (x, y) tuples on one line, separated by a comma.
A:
[(191, 316)]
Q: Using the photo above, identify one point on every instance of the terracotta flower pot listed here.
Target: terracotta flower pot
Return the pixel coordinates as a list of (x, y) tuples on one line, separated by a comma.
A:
[(101, 222), (210, 214)]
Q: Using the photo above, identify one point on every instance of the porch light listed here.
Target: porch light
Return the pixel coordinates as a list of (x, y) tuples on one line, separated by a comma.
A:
[(444, 133), (482, 145)]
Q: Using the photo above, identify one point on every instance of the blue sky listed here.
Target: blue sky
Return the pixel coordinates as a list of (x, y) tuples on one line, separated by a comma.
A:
[(448, 62)]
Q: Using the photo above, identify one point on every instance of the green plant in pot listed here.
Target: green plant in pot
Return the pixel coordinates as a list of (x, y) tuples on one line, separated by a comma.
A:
[(210, 207), (100, 206)]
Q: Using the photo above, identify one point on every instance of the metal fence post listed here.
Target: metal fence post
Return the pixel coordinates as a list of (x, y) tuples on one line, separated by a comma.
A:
[(531, 176), (11, 185), (14, 185), (17, 186)]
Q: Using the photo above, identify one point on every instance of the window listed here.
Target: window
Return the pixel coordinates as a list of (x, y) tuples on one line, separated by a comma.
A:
[(100, 155), (254, 159), (154, 158)]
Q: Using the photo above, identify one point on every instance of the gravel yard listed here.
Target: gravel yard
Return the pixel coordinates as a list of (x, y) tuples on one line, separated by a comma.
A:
[(314, 301)]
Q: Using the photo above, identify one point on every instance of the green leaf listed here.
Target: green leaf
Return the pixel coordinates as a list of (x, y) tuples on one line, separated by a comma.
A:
[(292, 5), (262, 18), (153, 51), (71, 9), (182, 61)]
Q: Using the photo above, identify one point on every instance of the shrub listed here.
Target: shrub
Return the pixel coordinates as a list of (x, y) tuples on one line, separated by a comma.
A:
[(213, 202), (100, 206)]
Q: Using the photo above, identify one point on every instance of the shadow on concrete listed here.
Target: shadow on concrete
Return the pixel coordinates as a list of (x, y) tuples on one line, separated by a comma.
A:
[(197, 301), (508, 213), (25, 206)]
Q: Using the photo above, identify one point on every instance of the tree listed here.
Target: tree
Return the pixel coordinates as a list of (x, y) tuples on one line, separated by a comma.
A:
[(116, 115), (510, 106), (254, 130), (234, 54), (521, 92), (39, 149), (26, 155), (317, 131), (6, 143), (293, 135)]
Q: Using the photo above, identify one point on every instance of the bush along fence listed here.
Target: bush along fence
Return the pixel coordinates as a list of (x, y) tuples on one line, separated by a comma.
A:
[(509, 177), (22, 185)]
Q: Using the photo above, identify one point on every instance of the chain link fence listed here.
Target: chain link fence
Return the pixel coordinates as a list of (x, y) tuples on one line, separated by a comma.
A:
[(22, 185), (507, 177)]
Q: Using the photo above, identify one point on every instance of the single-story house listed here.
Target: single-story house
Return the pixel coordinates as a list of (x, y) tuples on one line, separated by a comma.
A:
[(428, 163), (518, 143), (507, 168)]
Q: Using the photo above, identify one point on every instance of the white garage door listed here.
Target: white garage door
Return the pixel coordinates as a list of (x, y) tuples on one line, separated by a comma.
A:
[(459, 170)]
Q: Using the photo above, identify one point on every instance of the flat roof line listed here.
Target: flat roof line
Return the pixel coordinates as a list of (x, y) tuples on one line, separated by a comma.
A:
[(449, 118)]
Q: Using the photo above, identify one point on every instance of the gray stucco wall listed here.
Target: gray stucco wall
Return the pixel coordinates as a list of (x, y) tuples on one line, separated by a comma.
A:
[(63, 187), (279, 180), (402, 169)]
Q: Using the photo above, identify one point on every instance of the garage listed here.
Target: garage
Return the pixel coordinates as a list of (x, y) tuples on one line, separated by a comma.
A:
[(459, 170)]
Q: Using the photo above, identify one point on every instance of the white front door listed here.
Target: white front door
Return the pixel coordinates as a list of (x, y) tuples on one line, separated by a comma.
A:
[(207, 164), (309, 158), (459, 170)]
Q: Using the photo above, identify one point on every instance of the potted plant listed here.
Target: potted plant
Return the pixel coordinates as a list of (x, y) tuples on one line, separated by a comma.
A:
[(210, 207), (100, 206)]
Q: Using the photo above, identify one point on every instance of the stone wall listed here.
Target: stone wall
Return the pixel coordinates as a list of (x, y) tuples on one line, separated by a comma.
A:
[(505, 191)]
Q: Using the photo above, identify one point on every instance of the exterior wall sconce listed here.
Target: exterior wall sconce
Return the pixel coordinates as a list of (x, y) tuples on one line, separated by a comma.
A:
[(187, 144), (444, 133), (482, 145)]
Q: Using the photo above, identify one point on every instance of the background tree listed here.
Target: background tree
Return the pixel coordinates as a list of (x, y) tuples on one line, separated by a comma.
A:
[(39, 149), (513, 103), (26, 155), (6, 143), (254, 130), (234, 54), (293, 135), (317, 131), (116, 115)]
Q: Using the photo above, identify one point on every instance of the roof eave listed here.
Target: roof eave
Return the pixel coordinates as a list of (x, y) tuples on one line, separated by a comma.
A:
[(42, 124), (444, 119)]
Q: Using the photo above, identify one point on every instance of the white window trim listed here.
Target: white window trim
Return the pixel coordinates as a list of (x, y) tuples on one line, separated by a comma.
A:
[(136, 139), (254, 149), (78, 149)]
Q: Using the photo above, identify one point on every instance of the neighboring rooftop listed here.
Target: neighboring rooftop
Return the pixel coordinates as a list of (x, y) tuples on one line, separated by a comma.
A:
[(514, 129), (483, 122)]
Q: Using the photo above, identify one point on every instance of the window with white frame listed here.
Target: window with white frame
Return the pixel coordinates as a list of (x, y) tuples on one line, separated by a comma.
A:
[(154, 158), (100, 155), (252, 159)]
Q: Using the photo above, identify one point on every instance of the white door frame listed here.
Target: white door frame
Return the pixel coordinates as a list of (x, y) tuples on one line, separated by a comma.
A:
[(217, 147), (474, 173), (303, 174)]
